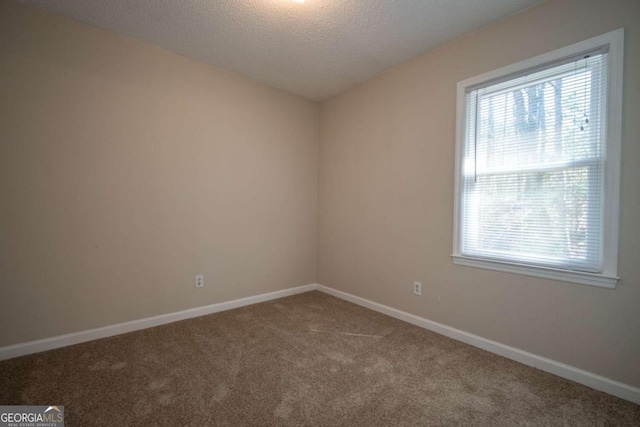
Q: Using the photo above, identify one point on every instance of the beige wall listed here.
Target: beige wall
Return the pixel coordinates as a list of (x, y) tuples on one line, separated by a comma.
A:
[(386, 199), (125, 170)]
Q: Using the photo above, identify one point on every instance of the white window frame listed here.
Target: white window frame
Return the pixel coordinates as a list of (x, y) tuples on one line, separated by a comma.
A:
[(614, 42)]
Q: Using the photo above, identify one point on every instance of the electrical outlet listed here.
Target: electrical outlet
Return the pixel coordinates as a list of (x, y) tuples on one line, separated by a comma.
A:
[(417, 288), (199, 281)]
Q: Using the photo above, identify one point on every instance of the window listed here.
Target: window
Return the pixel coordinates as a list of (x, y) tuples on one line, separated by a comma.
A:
[(537, 165)]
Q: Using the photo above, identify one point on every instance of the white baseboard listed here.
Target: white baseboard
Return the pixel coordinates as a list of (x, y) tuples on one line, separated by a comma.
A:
[(31, 347), (621, 390), (589, 379)]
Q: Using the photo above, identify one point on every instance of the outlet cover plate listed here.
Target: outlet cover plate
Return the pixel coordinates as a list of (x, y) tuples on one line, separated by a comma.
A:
[(417, 288)]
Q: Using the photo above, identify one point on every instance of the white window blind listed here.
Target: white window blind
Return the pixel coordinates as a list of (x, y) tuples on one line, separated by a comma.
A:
[(538, 165), (533, 166)]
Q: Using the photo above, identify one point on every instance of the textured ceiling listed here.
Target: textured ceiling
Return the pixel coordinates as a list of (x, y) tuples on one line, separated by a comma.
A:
[(316, 49)]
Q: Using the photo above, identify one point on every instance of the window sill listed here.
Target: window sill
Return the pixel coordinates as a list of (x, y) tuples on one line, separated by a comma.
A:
[(593, 279)]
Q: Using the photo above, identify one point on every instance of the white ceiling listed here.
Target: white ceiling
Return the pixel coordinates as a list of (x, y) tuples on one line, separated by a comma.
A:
[(316, 49)]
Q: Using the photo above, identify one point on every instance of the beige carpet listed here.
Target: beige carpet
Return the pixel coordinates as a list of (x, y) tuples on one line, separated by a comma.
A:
[(310, 359)]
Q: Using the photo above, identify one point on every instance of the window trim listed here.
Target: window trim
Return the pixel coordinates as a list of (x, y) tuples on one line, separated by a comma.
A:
[(614, 42)]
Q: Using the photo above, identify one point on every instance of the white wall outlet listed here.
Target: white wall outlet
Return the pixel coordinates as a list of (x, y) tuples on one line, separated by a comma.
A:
[(417, 288), (199, 281)]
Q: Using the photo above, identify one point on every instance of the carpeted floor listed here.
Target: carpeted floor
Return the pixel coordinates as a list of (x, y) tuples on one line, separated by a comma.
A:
[(309, 359)]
